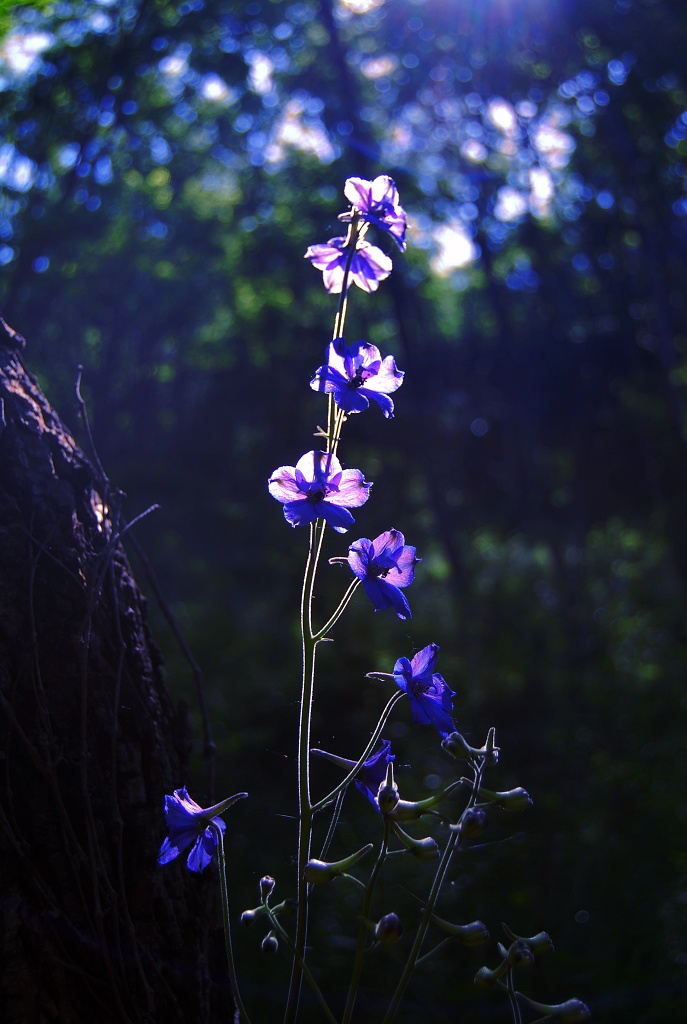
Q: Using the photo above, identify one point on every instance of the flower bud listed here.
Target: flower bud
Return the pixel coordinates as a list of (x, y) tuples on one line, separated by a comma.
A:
[(488, 979), (423, 849), (412, 810), (473, 823), (270, 944), (510, 800), (387, 797), (267, 884), (319, 871), (572, 1011), (457, 746), (539, 944), (249, 917), (388, 929), (472, 934), (519, 955)]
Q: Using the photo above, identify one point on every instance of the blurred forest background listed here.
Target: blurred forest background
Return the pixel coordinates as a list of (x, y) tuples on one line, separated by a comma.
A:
[(163, 167)]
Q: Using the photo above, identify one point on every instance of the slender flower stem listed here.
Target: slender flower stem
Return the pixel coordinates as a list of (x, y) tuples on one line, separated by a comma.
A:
[(446, 857), (366, 753), (305, 813), (334, 618), (241, 1014), (360, 950), (274, 921)]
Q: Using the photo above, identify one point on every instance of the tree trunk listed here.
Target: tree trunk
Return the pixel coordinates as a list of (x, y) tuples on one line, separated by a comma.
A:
[(90, 928)]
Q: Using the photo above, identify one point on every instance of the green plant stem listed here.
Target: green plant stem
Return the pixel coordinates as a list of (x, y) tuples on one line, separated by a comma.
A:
[(366, 753), (304, 967), (446, 857), (241, 1014), (305, 812), (334, 618), (360, 950)]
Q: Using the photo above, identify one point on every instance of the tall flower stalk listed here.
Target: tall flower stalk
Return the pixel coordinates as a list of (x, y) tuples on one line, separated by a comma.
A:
[(319, 492)]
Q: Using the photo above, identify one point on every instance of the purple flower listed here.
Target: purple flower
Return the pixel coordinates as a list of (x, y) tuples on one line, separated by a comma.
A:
[(372, 773), (318, 488), (354, 372), (431, 699), (188, 824), (385, 564), (377, 202), (368, 267)]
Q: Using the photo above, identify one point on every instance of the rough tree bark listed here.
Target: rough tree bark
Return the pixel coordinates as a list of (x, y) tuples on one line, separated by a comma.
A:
[(90, 928)]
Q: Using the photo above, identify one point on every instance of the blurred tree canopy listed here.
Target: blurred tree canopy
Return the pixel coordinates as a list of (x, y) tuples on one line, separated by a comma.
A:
[(163, 166)]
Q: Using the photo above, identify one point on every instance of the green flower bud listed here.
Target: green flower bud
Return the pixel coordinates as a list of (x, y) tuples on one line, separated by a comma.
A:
[(473, 823), (411, 810), (519, 955), (388, 929), (249, 917), (472, 934), (319, 871), (423, 849), (573, 1011), (488, 979), (510, 800), (270, 944), (267, 884), (457, 746), (539, 944), (388, 795)]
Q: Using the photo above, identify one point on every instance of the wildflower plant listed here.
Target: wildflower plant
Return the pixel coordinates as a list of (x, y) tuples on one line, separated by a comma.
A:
[(317, 492)]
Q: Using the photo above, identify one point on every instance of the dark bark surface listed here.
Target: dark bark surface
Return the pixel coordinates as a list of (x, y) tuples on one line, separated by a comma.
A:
[(90, 928)]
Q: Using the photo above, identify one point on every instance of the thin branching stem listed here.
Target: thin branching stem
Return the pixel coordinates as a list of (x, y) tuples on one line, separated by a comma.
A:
[(362, 931), (241, 1016), (444, 863)]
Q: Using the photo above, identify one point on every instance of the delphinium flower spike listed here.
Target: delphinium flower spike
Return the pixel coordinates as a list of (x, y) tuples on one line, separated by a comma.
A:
[(356, 373), (318, 488)]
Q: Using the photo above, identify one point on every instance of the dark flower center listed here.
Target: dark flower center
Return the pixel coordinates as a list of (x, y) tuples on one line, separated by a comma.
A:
[(316, 496)]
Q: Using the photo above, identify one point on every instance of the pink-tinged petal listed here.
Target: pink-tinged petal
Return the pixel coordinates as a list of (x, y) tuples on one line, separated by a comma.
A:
[(387, 547), (403, 573), (283, 486), (424, 660), (340, 519), (359, 555), (333, 280), (353, 491), (389, 378)]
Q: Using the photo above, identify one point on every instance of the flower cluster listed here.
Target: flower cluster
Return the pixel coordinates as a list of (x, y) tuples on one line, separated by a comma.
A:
[(372, 202)]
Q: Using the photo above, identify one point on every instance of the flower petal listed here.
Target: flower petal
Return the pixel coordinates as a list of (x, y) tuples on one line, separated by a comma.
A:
[(283, 485), (340, 519), (352, 490), (298, 513), (423, 661)]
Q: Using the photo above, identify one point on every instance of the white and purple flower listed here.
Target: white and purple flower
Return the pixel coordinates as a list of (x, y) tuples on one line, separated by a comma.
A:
[(383, 565), (369, 265), (377, 202), (318, 488), (355, 373), (431, 698)]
